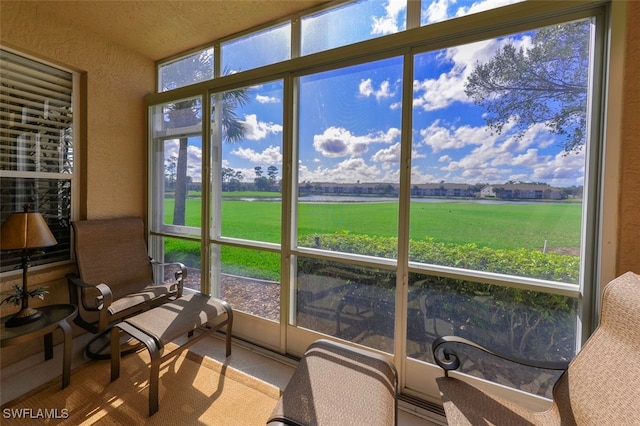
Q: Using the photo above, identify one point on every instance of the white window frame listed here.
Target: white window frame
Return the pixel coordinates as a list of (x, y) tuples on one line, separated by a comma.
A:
[(74, 177), (509, 19)]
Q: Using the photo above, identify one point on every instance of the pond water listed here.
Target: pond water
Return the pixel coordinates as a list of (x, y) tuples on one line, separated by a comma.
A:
[(356, 199)]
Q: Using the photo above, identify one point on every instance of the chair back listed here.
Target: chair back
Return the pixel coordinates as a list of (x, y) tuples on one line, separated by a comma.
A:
[(113, 252), (602, 384)]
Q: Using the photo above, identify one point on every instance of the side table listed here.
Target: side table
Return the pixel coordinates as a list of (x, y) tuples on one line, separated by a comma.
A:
[(53, 317)]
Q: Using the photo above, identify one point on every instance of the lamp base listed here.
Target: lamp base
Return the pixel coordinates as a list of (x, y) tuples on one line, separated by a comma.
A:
[(24, 316)]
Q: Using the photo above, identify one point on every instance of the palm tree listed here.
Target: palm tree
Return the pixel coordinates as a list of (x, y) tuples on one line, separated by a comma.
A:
[(189, 112)]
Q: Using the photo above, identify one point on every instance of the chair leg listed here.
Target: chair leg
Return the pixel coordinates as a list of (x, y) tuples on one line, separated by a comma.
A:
[(154, 349), (227, 307), (115, 353), (104, 351), (154, 377)]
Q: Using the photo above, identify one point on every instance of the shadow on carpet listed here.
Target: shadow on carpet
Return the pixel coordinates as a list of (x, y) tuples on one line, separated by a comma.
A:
[(194, 390)]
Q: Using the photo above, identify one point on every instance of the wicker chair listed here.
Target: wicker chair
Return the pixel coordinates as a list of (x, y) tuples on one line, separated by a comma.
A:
[(601, 386), (115, 278)]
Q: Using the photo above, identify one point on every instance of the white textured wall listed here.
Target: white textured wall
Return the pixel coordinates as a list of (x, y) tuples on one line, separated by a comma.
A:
[(629, 232)]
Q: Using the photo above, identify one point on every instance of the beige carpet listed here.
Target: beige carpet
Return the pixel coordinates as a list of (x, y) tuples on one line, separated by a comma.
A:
[(193, 391)]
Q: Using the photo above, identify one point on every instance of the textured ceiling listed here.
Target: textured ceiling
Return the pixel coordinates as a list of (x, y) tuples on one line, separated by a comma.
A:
[(162, 28)]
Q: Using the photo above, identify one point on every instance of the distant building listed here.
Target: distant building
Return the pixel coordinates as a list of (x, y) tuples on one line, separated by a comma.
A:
[(388, 189), (442, 190), (522, 191), (519, 191), (332, 188)]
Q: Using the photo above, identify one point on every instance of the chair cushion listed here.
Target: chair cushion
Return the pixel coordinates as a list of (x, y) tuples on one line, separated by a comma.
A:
[(467, 405), (600, 387), (113, 252), (148, 294), (173, 319), (602, 384), (336, 385)]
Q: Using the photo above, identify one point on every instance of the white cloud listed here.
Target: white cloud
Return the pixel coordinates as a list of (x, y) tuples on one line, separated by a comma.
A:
[(267, 99), (437, 93), (440, 138), (438, 11), (271, 155), (348, 171), (194, 158), (340, 142), (561, 170), (194, 163), (500, 158), (256, 130), (389, 24), (247, 174), (171, 149), (388, 155), (418, 177), (366, 89), (483, 5)]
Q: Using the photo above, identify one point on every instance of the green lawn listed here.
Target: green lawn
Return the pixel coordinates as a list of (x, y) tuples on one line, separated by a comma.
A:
[(507, 226), (499, 226)]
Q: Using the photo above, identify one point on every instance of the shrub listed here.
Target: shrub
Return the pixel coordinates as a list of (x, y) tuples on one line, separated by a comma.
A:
[(523, 323)]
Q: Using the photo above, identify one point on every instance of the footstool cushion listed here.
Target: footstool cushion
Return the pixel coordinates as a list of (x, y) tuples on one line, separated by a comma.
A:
[(163, 324), (173, 319)]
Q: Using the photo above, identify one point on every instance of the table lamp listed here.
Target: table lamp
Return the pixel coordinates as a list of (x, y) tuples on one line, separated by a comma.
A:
[(25, 231)]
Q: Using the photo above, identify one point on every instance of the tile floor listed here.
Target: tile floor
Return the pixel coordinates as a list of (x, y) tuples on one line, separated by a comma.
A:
[(21, 377)]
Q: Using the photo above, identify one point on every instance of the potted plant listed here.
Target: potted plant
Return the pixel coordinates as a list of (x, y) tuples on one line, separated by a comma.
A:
[(19, 293)]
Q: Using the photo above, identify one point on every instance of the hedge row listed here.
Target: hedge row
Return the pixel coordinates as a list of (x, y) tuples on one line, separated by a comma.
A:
[(519, 262), (524, 323)]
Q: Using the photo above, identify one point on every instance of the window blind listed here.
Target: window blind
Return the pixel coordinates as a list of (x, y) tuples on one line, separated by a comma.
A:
[(36, 149)]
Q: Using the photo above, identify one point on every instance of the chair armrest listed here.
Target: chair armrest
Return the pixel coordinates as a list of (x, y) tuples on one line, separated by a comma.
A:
[(448, 359), (102, 300), (180, 274)]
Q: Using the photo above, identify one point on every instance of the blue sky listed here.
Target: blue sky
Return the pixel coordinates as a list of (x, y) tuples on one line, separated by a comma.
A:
[(350, 118)]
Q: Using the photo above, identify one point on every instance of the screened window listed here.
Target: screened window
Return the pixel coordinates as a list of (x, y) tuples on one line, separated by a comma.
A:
[(178, 167), (351, 23), (247, 129), (349, 156), (499, 158), (416, 189), (260, 48), (251, 172), (187, 70), (36, 149), (176, 192), (433, 11)]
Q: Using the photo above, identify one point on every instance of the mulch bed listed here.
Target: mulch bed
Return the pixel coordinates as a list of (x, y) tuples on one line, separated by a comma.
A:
[(251, 295)]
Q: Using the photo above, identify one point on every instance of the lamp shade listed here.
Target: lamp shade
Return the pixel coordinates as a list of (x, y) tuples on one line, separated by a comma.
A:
[(25, 230)]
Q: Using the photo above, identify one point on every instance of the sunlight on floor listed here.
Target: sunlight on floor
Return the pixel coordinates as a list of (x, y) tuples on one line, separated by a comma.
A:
[(21, 377)]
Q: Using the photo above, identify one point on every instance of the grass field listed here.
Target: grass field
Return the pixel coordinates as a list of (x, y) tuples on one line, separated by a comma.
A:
[(505, 226), (499, 226)]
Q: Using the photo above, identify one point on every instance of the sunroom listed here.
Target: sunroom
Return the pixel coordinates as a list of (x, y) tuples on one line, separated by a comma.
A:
[(372, 172)]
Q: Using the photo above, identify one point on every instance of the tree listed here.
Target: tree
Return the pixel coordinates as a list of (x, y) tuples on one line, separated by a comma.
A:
[(545, 83), (231, 179), (189, 112), (261, 182), (272, 172), (170, 167)]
